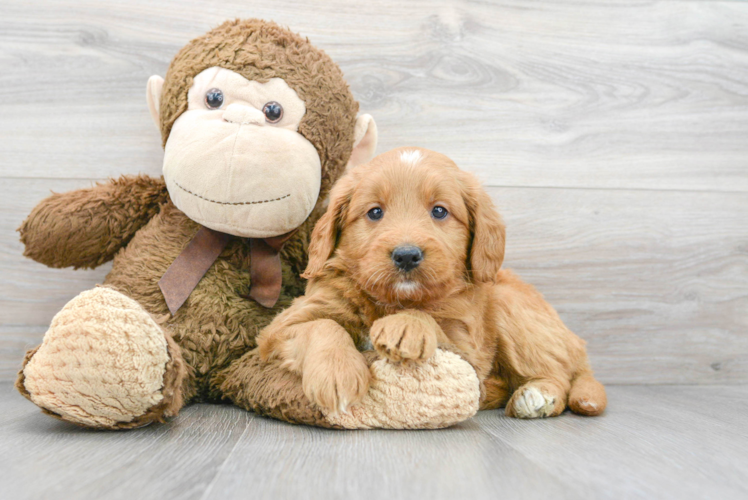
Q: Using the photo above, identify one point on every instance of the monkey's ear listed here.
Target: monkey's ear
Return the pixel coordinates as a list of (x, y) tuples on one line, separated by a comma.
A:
[(364, 141), (325, 234), (153, 96)]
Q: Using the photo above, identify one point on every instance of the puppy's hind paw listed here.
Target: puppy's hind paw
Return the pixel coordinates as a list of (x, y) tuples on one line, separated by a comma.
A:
[(531, 402)]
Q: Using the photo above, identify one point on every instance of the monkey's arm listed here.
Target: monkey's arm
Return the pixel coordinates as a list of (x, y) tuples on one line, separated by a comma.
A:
[(86, 227)]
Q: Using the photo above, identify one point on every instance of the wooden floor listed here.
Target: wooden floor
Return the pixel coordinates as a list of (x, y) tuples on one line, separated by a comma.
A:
[(613, 136), (653, 442)]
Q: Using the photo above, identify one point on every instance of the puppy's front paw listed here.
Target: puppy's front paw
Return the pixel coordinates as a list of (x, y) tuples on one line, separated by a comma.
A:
[(404, 336), (334, 379)]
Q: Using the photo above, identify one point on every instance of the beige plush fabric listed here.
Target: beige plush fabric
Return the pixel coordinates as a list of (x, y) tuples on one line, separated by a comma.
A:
[(247, 93), (102, 361), (231, 170), (440, 392), (259, 51), (364, 141)]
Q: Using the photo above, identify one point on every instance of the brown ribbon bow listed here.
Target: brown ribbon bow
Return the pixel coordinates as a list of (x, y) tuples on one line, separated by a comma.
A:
[(201, 252)]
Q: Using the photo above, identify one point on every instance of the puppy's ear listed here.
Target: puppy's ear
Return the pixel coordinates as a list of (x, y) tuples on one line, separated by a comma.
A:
[(487, 232), (326, 231)]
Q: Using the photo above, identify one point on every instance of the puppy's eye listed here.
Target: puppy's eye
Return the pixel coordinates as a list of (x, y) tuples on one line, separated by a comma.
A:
[(214, 98), (375, 213), (273, 111), (439, 212)]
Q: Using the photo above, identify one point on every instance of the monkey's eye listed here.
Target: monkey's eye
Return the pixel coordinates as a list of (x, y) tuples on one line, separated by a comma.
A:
[(375, 213), (273, 111), (214, 98), (439, 212)]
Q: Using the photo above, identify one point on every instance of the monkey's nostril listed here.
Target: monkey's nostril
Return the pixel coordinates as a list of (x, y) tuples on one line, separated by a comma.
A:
[(244, 115), (407, 257)]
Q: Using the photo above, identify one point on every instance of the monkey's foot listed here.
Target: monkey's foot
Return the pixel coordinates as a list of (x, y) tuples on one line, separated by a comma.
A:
[(104, 363), (439, 392)]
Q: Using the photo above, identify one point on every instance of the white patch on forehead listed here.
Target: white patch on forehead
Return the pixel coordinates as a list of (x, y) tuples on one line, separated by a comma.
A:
[(411, 156)]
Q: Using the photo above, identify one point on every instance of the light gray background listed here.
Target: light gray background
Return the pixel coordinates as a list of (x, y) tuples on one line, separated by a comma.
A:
[(613, 136)]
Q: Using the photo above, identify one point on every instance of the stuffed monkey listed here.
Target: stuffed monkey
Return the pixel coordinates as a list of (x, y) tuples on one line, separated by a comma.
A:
[(257, 124)]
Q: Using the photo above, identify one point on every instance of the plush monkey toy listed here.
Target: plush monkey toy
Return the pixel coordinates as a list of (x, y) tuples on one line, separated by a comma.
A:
[(257, 124)]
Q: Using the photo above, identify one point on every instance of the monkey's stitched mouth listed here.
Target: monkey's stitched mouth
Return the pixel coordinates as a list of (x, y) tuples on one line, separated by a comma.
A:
[(258, 202)]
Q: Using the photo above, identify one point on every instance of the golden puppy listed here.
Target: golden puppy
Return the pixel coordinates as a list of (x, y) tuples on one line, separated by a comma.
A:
[(408, 257)]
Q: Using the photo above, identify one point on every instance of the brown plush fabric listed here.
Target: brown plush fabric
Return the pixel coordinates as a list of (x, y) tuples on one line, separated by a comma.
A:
[(261, 50), (86, 228), (132, 220), (21, 377), (269, 390), (216, 324)]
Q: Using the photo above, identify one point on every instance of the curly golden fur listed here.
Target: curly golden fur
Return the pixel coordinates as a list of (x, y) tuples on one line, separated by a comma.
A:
[(458, 296)]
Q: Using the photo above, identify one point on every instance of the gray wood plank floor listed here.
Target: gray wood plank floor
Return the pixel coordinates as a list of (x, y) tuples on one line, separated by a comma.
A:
[(653, 442), (610, 133)]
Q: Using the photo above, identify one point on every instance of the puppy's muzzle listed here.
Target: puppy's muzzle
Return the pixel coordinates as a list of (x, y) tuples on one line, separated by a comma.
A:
[(407, 257)]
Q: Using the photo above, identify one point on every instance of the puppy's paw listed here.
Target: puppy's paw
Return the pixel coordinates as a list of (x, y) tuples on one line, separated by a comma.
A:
[(335, 379), (405, 335), (531, 402)]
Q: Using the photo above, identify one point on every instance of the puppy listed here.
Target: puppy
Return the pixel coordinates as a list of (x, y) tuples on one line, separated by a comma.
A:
[(407, 258)]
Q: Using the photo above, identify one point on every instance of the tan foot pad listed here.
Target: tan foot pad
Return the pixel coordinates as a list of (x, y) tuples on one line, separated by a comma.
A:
[(440, 392), (101, 362)]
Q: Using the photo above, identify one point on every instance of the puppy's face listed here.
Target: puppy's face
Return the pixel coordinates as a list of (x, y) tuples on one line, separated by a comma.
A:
[(406, 232), (410, 227)]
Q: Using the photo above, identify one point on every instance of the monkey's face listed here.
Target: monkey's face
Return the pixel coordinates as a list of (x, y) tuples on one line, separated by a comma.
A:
[(235, 161)]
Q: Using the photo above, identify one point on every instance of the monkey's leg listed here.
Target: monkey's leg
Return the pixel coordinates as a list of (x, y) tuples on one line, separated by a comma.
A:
[(268, 389), (105, 363), (439, 392)]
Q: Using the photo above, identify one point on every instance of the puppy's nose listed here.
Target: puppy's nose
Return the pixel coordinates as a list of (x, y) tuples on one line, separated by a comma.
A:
[(407, 257)]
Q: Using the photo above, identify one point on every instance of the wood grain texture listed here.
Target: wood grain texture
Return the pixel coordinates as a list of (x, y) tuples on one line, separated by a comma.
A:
[(678, 442), (657, 435), (452, 463), (613, 134), (594, 94), (179, 459)]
